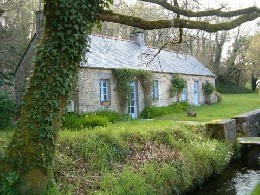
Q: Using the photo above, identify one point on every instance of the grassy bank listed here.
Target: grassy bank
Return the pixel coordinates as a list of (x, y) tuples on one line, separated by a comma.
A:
[(230, 106), (138, 157)]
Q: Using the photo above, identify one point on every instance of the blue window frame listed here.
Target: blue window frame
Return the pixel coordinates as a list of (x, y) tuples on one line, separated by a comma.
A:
[(155, 90), (104, 90)]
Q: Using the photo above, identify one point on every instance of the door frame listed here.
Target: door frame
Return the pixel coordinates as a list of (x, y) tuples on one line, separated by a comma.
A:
[(133, 102)]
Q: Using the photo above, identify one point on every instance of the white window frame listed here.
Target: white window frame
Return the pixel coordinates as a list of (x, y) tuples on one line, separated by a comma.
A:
[(104, 90), (155, 90)]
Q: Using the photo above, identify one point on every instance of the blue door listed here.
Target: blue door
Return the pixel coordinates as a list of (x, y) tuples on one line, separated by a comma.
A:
[(132, 103), (196, 93), (184, 94)]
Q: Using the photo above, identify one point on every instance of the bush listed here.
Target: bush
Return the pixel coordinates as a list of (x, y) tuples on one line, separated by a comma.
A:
[(218, 96), (76, 121), (92, 121), (153, 112), (7, 109), (112, 116)]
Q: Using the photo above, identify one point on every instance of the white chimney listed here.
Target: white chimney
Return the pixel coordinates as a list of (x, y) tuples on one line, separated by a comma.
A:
[(138, 38)]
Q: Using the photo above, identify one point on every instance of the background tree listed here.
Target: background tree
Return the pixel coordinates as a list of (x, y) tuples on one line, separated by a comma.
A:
[(30, 153)]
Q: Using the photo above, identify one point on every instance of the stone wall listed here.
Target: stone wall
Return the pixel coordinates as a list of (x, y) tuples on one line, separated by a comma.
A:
[(248, 124), (87, 96), (223, 130)]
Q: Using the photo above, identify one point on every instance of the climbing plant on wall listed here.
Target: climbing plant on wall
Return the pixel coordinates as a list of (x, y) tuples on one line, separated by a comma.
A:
[(124, 76), (208, 89), (177, 85)]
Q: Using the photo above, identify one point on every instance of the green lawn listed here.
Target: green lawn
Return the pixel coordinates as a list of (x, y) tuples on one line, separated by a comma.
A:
[(231, 105)]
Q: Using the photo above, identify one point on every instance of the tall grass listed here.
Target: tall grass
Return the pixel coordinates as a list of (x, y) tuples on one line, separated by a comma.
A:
[(140, 157)]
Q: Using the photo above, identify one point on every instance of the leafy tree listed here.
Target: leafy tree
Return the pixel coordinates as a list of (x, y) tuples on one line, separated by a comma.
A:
[(31, 151)]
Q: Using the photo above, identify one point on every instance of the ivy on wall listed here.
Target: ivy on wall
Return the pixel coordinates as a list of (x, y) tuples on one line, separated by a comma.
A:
[(208, 89), (124, 77), (177, 85)]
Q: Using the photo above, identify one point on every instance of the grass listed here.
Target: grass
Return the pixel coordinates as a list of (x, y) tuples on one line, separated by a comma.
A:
[(143, 156), (137, 157), (256, 191), (231, 105)]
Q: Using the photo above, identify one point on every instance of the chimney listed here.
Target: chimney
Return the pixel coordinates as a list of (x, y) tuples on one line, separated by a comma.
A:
[(39, 23), (138, 38)]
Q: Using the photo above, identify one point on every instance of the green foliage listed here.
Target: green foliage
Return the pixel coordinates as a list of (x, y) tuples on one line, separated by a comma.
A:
[(231, 88), (124, 77), (76, 121), (92, 121), (256, 190), (229, 107), (61, 49), (7, 109), (153, 112), (112, 116), (219, 97), (127, 182), (177, 85), (148, 157), (7, 182), (208, 89)]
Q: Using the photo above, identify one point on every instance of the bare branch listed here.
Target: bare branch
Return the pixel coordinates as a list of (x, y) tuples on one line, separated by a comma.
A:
[(211, 12), (175, 22)]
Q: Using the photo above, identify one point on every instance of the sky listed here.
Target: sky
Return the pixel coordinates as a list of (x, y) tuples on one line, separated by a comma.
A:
[(233, 4)]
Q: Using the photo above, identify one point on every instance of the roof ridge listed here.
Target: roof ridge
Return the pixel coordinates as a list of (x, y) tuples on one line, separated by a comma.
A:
[(112, 37)]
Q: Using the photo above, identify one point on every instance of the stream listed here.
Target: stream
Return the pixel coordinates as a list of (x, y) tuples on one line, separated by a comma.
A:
[(240, 178)]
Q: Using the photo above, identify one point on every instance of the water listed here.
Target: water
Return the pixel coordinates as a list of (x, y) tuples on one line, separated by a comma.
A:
[(240, 178)]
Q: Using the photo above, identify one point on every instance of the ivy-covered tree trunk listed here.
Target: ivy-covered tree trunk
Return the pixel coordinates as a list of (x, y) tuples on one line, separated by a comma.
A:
[(29, 156)]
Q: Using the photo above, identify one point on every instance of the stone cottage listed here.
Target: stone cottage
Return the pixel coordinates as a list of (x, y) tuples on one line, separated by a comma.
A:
[(97, 86)]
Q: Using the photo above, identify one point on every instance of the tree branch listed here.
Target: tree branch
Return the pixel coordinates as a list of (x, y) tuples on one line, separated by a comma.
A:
[(211, 12), (109, 16)]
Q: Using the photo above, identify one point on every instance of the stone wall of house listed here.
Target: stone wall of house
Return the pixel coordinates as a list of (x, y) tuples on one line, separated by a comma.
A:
[(87, 95), (165, 83), (88, 91)]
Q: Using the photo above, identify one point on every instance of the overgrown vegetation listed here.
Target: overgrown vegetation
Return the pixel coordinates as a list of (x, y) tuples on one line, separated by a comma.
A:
[(230, 88), (90, 120), (7, 109), (124, 77), (153, 112), (140, 157)]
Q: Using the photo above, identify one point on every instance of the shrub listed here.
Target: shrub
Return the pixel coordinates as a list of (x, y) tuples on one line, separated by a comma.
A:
[(92, 121), (208, 89), (178, 84), (7, 109), (112, 116), (153, 112), (218, 96), (76, 121)]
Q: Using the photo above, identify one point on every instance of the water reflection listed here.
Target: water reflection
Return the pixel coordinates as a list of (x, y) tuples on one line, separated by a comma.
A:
[(239, 178)]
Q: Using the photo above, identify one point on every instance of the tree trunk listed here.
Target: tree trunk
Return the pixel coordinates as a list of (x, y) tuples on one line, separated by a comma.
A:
[(31, 150)]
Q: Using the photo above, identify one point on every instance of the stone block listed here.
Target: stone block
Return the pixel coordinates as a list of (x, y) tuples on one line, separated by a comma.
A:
[(223, 129)]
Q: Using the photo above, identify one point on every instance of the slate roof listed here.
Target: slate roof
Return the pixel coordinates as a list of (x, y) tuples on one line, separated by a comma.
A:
[(109, 53)]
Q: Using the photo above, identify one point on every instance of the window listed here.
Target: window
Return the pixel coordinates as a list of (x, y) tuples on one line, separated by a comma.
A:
[(104, 90), (155, 90)]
